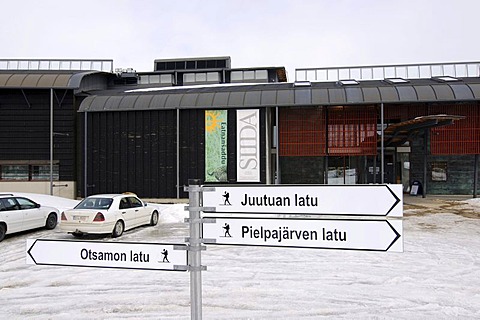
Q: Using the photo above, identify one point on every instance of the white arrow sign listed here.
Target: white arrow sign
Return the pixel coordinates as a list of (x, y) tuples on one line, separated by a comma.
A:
[(362, 200), (123, 255), (370, 235)]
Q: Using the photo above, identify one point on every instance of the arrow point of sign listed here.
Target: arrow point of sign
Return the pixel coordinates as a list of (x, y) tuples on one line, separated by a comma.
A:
[(397, 235), (397, 200), (30, 251)]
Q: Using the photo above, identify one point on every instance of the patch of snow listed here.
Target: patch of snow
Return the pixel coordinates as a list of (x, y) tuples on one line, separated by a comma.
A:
[(437, 277), (60, 203)]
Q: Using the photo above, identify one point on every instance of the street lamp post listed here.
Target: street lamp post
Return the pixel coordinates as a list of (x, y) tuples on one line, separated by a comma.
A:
[(51, 141)]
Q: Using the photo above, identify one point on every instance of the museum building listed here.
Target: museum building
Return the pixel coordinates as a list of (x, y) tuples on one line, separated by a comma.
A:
[(80, 127)]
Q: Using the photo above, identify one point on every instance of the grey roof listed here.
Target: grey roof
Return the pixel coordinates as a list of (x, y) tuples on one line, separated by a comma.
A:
[(89, 80), (285, 95)]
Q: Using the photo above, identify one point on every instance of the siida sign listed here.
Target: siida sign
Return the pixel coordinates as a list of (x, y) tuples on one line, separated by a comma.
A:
[(248, 145)]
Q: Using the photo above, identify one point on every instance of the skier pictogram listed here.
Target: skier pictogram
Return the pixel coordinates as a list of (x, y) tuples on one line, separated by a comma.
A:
[(165, 256), (226, 195), (227, 230)]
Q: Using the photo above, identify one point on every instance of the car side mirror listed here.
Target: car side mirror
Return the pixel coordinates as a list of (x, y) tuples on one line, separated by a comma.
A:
[(144, 204), (37, 205)]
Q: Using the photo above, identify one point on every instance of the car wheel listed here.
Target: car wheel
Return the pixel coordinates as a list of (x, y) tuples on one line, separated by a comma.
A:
[(3, 230), (51, 221), (154, 218), (118, 229)]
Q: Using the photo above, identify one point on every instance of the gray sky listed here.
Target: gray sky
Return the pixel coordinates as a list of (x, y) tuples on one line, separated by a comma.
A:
[(254, 33)]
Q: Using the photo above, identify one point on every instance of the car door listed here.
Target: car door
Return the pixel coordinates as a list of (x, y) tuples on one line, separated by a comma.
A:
[(33, 215), (128, 213), (11, 215), (140, 212)]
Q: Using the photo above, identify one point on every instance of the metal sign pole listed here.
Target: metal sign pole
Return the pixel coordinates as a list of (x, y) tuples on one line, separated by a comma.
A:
[(194, 249), (51, 141)]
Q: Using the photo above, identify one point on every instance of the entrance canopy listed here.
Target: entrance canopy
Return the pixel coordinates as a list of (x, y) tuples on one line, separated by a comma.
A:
[(398, 133)]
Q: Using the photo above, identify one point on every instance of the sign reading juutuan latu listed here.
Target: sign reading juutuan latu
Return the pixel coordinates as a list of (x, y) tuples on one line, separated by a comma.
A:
[(358, 200)]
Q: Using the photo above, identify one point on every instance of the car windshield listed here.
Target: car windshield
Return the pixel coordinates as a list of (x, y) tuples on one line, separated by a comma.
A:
[(95, 203)]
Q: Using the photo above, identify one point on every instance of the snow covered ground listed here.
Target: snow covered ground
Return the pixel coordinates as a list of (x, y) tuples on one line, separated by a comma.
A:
[(437, 277)]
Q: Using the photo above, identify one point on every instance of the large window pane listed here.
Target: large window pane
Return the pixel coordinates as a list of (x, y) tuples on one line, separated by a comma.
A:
[(249, 75), (261, 75), (15, 172), (213, 76), (189, 77), (201, 77), (236, 76), (166, 78), (43, 172)]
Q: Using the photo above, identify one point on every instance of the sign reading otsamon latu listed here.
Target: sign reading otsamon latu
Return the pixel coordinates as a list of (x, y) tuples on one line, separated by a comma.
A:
[(106, 254), (360, 200)]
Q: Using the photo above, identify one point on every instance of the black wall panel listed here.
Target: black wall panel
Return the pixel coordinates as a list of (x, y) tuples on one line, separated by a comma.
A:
[(192, 147), (25, 127), (132, 151)]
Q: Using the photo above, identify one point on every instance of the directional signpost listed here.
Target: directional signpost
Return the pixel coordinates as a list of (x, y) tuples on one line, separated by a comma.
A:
[(368, 235), (361, 224), (122, 255), (359, 200)]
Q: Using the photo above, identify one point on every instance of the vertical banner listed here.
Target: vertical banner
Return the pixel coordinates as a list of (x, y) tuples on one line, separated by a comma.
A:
[(216, 146), (248, 145)]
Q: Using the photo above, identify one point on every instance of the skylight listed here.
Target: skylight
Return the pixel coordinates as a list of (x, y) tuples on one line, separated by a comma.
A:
[(348, 82), (302, 84), (446, 79), (396, 80)]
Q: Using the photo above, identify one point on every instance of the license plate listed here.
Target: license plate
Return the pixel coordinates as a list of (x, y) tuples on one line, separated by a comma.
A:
[(79, 218)]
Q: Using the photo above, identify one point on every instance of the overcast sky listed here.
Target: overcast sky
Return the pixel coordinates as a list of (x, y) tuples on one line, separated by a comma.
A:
[(254, 33)]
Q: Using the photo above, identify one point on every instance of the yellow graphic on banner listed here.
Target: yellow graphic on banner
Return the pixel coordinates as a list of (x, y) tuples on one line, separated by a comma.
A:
[(211, 120)]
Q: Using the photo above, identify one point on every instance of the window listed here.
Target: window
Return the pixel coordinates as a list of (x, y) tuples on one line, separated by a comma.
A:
[(124, 203), (236, 76), (261, 74), (14, 172), (28, 172), (439, 171), (166, 78), (10, 204), (189, 77), (213, 76), (26, 204), (201, 77), (43, 172), (156, 78), (134, 202), (249, 75)]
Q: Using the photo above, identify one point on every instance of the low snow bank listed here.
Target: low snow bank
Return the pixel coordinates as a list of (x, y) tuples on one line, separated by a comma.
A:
[(60, 203), (474, 202), (173, 213)]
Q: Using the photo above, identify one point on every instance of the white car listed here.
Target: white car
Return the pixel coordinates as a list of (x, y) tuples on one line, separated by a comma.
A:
[(108, 213), (18, 213)]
